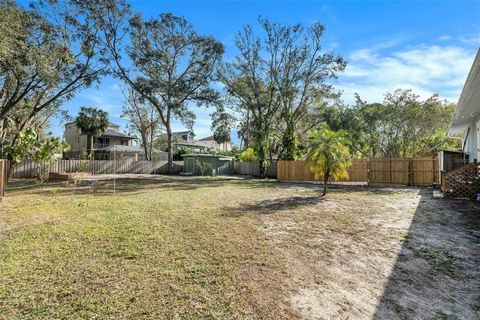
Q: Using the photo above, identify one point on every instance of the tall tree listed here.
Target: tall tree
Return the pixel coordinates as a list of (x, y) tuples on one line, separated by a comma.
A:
[(222, 124), (274, 80), (143, 121), (328, 155), (172, 66), (293, 55), (250, 84), (92, 122), (48, 55)]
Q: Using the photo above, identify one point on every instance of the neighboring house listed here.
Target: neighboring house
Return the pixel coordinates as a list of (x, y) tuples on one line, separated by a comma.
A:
[(186, 139), (210, 143), (112, 144), (466, 119), (183, 136), (190, 145)]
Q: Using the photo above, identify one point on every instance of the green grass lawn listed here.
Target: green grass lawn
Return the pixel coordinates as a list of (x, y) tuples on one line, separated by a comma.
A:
[(155, 249), (230, 248)]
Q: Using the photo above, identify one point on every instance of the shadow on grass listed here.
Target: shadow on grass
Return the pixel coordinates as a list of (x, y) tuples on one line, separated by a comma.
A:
[(436, 274), (272, 206)]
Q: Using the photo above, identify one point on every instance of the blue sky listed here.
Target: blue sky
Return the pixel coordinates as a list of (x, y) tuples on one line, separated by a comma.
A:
[(425, 46)]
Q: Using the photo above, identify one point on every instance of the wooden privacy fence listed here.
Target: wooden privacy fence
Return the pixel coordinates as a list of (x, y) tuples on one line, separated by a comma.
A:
[(30, 169), (404, 171), (299, 171), (253, 169)]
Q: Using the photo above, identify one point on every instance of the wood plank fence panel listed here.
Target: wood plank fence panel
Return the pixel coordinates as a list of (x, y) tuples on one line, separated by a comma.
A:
[(299, 171), (424, 171), (402, 171), (253, 169), (420, 171), (388, 170), (30, 169)]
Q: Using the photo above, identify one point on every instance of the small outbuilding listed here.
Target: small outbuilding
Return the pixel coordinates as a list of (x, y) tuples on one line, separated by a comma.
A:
[(208, 165)]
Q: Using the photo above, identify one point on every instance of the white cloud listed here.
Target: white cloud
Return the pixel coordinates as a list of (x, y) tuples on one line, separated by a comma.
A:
[(109, 98), (472, 39), (426, 69)]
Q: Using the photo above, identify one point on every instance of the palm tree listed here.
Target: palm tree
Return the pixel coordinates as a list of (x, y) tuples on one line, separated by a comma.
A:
[(92, 122), (328, 155)]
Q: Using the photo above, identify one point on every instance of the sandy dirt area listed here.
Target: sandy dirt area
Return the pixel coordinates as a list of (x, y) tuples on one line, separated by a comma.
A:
[(378, 254)]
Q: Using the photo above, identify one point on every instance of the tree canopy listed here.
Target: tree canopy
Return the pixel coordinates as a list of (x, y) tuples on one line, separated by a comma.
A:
[(403, 125), (275, 79), (48, 54), (171, 66), (277, 88)]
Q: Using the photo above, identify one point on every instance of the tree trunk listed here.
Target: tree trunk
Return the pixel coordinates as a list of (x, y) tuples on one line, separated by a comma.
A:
[(169, 148), (289, 146), (150, 145), (262, 169), (91, 147), (2, 138), (325, 180), (145, 148)]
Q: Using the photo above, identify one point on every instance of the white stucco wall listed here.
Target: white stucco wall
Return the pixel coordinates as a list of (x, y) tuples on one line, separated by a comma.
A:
[(72, 136), (472, 144)]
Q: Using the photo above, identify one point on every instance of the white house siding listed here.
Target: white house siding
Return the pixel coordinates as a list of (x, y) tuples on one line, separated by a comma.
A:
[(466, 118), (472, 143)]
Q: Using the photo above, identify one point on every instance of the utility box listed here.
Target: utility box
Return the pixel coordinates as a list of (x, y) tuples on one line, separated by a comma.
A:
[(211, 164)]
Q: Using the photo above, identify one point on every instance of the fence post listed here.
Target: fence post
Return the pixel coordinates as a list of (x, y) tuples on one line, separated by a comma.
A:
[(443, 182)]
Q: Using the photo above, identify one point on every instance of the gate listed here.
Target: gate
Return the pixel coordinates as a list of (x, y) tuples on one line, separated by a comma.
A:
[(405, 171)]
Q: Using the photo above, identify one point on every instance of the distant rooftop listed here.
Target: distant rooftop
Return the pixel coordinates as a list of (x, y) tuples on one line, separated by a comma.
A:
[(209, 138), (115, 133)]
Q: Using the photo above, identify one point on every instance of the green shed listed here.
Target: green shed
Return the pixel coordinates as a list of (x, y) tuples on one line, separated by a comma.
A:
[(214, 165)]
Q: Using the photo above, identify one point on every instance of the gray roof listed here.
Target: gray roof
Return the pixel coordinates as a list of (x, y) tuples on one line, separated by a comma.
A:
[(115, 133)]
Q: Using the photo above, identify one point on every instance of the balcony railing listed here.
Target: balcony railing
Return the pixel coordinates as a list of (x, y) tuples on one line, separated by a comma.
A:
[(100, 145)]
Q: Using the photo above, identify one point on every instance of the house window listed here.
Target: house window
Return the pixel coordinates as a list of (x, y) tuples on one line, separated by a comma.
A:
[(103, 142), (124, 142)]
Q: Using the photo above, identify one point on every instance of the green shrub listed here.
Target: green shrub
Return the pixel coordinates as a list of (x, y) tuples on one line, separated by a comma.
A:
[(248, 155), (177, 154), (203, 166)]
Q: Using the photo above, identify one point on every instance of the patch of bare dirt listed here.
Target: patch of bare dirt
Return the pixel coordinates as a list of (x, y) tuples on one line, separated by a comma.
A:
[(378, 254)]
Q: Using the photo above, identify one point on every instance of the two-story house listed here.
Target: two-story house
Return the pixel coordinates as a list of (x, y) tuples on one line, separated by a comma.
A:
[(187, 139), (210, 143), (112, 144)]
